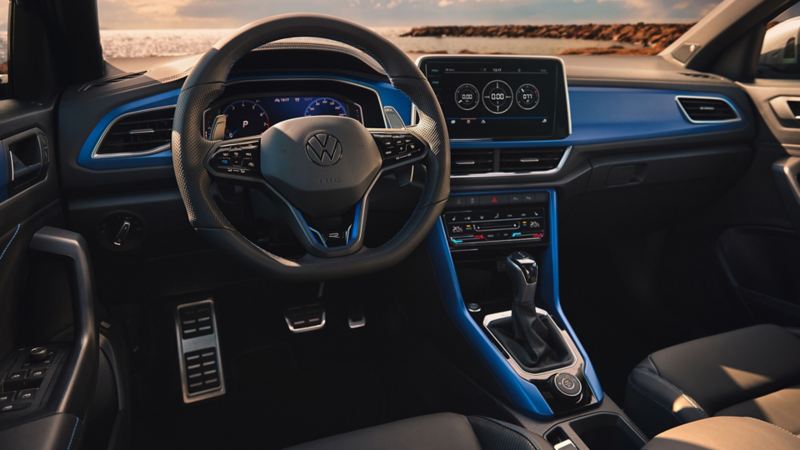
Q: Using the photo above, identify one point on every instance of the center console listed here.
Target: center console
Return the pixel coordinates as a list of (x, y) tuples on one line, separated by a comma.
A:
[(500, 247)]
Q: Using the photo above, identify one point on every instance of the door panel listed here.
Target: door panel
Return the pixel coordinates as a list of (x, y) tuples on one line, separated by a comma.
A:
[(27, 202), (760, 253)]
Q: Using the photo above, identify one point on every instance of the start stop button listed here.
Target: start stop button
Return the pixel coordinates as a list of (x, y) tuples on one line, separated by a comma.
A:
[(567, 384)]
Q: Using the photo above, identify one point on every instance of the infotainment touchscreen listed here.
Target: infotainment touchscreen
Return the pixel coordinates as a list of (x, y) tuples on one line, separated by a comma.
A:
[(500, 97)]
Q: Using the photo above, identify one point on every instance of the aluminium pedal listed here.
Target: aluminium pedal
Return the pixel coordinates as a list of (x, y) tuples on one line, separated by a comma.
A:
[(199, 356)]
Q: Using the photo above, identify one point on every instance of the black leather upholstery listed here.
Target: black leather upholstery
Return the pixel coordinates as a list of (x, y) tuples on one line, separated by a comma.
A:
[(753, 372), (434, 432)]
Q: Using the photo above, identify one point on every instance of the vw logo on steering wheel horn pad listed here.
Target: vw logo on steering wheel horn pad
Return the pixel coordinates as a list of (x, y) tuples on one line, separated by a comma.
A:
[(324, 149)]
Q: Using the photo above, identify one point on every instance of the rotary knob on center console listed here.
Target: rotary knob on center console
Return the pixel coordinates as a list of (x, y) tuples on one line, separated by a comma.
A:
[(568, 385)]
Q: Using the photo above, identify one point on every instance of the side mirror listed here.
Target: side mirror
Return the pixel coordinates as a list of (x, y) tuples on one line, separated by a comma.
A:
[(780, 49)]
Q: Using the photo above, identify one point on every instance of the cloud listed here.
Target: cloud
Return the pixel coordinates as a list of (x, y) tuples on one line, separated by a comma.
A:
[(234, 13)]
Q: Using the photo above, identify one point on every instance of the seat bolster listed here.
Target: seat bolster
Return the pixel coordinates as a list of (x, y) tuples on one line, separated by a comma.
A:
[(725, 433), (496, 435), (656, 403), (443, 431)]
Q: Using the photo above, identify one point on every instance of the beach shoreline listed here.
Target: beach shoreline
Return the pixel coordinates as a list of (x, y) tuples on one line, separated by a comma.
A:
[(648, 38)]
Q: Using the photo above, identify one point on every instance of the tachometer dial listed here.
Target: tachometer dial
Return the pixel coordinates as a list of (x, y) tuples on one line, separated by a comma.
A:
[(467, 97), (245, 118), (527, 96), (498, 96), (326, 106)]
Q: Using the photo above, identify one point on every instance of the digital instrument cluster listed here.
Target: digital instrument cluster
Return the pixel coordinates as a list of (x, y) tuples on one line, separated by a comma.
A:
[(251, 116), (500, 97)]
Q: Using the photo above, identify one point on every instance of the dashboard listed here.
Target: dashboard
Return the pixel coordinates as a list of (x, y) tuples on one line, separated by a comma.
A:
[(616, 139)]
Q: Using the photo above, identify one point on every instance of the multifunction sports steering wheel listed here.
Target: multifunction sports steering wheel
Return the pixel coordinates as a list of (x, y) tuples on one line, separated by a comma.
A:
[(322, 168)]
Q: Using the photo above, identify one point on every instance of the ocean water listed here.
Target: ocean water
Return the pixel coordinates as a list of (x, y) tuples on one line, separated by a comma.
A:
[(144, 43), (176, 42)]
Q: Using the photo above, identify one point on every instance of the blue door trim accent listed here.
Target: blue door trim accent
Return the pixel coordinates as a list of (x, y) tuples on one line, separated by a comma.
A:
[(522, 394)]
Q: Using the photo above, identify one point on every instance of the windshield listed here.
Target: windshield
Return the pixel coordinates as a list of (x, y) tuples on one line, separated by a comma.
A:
[(158, 28)]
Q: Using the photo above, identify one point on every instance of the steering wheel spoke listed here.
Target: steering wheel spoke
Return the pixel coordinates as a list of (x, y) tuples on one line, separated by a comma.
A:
[(332, 236), (399, 147), (236, 160)]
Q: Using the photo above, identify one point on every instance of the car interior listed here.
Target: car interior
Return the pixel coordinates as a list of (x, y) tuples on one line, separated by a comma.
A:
[(303, 237)]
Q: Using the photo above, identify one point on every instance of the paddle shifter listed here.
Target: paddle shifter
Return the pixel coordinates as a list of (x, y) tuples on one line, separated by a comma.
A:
[(533, 339)]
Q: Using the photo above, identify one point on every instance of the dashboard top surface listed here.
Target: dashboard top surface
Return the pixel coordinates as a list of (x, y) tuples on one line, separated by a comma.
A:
[(629, 102)]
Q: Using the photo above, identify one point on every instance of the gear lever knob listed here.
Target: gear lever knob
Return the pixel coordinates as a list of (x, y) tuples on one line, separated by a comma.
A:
[(525, 276), (528, 268)]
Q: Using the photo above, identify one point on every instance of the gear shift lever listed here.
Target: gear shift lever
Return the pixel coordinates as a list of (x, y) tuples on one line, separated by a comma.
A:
[(525, 274), (528, 329)]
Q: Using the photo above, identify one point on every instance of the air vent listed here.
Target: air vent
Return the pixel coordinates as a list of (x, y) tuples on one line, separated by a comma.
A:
[(138, 133), (530, 159), (465, 161), (707, 109)]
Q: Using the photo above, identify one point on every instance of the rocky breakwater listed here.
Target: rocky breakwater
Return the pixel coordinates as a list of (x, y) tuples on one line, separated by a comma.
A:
[(647, 35)]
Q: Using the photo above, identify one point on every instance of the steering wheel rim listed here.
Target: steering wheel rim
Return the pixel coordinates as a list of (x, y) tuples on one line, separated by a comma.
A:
[(191, 150)]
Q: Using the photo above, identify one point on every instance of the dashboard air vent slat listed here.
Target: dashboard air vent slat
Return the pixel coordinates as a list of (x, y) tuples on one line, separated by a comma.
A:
[(703, 109), (530, 159), (138, 132), (465, 161)]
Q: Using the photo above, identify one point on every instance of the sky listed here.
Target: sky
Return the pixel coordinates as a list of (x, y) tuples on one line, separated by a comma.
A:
[(127, 14)]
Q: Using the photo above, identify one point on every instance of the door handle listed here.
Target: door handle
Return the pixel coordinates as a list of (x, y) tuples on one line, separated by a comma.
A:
[(786, 108), (27, 157)]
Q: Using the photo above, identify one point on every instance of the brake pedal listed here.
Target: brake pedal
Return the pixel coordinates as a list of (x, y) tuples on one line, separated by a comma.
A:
[(199, 354)]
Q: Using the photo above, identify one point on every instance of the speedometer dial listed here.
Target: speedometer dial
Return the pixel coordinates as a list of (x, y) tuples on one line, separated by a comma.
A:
[(245, 118), (326, 106)]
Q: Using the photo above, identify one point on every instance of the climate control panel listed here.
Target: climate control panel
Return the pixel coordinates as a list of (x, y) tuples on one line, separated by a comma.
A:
[(479, 220)]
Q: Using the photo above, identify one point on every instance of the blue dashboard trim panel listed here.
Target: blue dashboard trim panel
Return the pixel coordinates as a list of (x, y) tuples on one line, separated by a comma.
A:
[(609, 114), (522, 394), (599, 115), (389, 96)]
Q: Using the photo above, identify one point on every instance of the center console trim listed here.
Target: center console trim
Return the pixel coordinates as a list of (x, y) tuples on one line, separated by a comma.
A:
[(521, 394), (577, 359)]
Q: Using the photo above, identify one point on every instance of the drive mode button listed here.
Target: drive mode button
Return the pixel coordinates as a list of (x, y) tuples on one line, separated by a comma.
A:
[(566, 384)]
